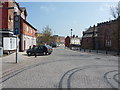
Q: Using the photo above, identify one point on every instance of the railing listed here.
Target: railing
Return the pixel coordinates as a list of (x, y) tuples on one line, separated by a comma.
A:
[(78, 48)]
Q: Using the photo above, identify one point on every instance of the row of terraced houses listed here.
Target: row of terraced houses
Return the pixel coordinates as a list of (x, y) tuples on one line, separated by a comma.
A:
[(27, 36), (104, 36)]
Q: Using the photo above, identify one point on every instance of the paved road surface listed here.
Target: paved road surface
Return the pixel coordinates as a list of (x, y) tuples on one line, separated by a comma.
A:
[(65, 68)]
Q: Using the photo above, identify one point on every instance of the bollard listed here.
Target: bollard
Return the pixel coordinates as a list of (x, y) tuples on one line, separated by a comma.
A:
[(80, 49), (84, 50), (1, 51), (35, 55), (97, 51), (118, 53), (106, 52), (89, 50)]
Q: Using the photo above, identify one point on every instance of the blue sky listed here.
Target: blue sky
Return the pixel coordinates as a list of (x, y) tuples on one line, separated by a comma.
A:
[(63, 16)]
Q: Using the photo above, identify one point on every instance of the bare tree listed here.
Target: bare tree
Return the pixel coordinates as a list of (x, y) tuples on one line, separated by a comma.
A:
[(115, 11)]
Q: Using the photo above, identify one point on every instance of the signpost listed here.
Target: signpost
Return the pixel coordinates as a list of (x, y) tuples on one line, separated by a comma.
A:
[(16, 48), (16, 32), (16, 25), (17, 22)]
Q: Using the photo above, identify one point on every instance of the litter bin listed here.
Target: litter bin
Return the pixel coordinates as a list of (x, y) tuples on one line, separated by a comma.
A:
[(1, 51)]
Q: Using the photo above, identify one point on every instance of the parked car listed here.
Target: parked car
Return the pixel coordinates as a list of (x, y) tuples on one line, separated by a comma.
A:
[(42, 49), (54, 45)]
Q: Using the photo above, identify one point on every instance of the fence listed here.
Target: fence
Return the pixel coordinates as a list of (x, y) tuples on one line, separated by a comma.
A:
[(78, 48)]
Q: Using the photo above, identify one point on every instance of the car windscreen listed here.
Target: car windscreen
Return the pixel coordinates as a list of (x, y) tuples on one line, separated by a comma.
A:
[(41, 47), (34, 47), (47, 46)]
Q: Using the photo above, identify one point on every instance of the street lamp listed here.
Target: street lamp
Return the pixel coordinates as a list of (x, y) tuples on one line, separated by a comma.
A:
[(71, 32)]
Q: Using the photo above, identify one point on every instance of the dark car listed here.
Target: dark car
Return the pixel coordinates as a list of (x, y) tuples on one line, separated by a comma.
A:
[(43, 49), (54, 45)]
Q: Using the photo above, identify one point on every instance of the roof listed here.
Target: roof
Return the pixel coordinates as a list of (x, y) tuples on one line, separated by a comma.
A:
[(89, 30), (18, 5), (24, 10), (87, 35), (29, 24)]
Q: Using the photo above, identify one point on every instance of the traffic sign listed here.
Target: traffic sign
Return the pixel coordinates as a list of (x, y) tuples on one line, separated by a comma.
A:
[(16, 31), (17, 25)]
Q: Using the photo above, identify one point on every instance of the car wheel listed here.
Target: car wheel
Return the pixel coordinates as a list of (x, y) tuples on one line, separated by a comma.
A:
[(44, 53), (29, 54)]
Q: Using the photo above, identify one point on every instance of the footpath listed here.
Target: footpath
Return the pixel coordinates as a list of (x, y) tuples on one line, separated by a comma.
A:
[(105, 52), (8, 63)]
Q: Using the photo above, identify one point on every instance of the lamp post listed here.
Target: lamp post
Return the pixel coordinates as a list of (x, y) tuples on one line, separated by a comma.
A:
[(71, 32)]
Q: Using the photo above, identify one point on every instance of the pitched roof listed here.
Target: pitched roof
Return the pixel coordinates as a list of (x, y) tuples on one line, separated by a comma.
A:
[(24, 10)]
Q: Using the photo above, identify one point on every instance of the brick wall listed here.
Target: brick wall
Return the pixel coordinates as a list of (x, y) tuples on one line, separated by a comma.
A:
[(62, 40), (7, 18), (67, 41), (10, 16), (108, 36), (4, 16), (27, 29), (0, 17), (87, 43)]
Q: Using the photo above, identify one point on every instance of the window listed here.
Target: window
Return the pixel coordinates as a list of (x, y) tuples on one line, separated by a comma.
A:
[(27, 28), (31, 30), (108, 43)]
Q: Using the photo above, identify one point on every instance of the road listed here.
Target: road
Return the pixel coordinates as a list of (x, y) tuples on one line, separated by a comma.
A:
[(65, 68)]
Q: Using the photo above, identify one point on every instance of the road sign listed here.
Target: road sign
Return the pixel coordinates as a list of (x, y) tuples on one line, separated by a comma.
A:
[(16, 18), (17, 25), (16, 31)]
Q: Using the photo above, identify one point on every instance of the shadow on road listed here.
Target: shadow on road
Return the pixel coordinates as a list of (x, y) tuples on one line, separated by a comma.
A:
[(34, 55), (9, 62)]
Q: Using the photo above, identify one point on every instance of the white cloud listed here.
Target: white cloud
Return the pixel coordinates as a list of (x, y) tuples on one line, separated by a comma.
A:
[(106, 7), (105, 10), (47, 8)]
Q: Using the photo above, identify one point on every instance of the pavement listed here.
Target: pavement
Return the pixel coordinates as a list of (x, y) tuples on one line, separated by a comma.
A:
[(9, 64), (64, 68), (115, 53)]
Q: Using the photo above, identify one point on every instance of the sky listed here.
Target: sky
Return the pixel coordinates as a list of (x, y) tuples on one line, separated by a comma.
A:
[(64, 16)]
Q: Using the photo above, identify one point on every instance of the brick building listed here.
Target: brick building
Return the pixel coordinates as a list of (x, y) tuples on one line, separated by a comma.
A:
[(104, 36), (27, 36), (27, 32), (89, 39), (108, 35), (75, 41), (67, 41), (60, 40)]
